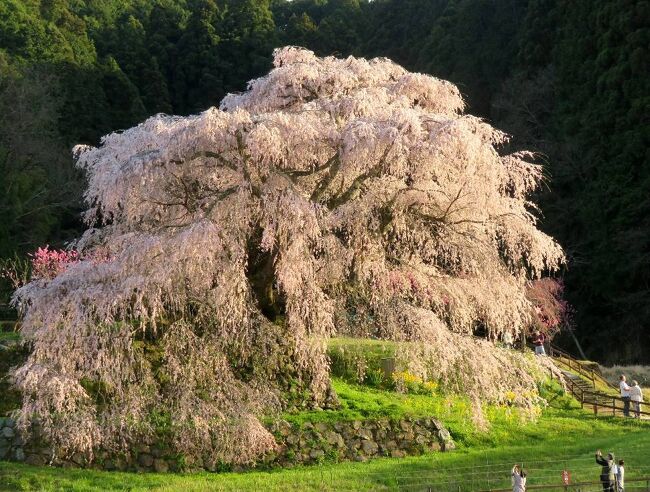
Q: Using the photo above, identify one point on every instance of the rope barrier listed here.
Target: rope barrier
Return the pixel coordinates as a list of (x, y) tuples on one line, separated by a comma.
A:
[(529, 463), (566, 487)]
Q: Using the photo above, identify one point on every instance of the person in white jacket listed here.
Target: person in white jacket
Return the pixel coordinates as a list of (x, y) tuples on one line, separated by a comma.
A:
[(636, 396), (625, 395), (620, 476), (518, 479)]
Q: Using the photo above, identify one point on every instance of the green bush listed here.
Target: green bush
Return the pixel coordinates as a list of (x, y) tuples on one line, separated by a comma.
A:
[(361, 360), (374, 378)]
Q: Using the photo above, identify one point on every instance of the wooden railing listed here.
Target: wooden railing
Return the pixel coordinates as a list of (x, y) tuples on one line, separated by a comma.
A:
[(600, 400), (597, 399), (576, 365)]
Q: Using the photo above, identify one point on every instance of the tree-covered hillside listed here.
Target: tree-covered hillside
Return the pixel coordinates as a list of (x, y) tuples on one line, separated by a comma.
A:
[(567, 79)]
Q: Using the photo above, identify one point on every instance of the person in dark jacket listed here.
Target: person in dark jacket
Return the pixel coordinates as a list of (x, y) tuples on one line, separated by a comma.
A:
[(607, 474), (538, 340)]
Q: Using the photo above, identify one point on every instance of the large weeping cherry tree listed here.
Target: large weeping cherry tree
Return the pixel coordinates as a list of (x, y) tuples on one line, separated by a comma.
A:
[(223, 249)]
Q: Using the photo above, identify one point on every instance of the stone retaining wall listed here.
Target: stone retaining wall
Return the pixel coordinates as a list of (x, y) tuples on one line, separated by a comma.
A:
[(309, 443), (11, 444), (358, 440)]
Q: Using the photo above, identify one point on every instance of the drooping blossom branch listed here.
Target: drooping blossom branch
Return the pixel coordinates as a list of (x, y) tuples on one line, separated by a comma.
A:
[(334, 194)]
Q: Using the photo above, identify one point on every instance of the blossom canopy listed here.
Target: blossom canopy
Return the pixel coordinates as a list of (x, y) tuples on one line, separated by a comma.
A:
[(334, 195)]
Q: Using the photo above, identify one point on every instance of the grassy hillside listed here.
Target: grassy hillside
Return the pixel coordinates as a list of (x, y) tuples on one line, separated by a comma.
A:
[(563, 438), (559, 442)]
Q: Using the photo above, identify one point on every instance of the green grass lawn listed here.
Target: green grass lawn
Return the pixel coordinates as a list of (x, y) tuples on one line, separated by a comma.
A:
[(558, 443), (361, 402), (563, 438)]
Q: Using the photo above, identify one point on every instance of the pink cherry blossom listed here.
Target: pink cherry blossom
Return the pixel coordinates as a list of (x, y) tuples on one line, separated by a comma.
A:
[(48, 263), (240, 239)]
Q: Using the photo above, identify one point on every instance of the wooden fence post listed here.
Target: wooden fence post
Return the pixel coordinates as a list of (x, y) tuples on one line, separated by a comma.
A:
[(593, 379), (388, 367)]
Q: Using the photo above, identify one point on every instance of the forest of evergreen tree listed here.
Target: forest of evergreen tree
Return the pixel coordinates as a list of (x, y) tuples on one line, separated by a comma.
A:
[(568, 80)]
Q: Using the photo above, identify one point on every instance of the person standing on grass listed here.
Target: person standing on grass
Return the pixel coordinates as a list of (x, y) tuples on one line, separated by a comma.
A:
[(508, 341), (607, 473), (636, 396), (620, 476), (625, 395), (518, 479), (538, 341)]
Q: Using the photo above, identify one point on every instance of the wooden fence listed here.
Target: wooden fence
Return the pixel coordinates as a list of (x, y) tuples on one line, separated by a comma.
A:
[(602, 401), (598, 400), (575, 365)]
